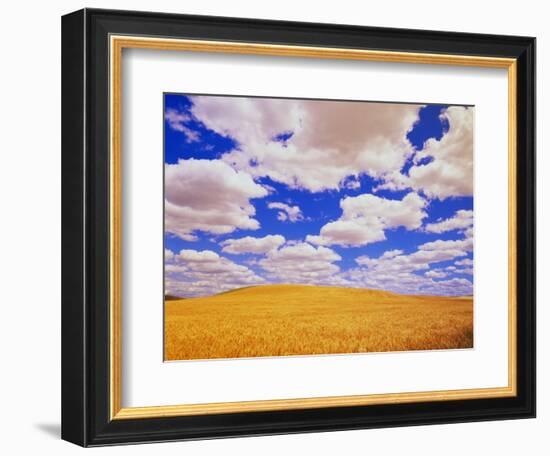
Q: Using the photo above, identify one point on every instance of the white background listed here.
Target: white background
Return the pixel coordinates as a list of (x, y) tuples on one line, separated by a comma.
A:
[(30, 241), (147, 73)]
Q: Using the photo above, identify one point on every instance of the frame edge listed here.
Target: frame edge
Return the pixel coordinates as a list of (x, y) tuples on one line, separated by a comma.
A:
[(73, 303)]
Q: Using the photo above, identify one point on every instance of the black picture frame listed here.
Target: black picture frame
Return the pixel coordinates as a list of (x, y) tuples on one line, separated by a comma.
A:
[(85, 225)]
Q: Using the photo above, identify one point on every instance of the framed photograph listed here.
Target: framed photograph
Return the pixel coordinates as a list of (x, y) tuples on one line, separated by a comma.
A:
[(278, 227)]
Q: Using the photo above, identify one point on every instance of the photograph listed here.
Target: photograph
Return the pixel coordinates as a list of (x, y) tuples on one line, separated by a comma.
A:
[(316, 227)]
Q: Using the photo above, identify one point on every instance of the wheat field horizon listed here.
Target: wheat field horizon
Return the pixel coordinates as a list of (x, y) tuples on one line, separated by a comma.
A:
[(170, 297), (290, 320)]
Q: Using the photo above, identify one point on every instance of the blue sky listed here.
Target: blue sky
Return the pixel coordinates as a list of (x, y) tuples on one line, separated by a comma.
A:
[(359, 194)]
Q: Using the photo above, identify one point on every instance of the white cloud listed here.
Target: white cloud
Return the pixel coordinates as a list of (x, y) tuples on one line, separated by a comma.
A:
[(410, 283), (433, 252), (365, 218), (466, 244), (407, 212), (450, 171), (330, 140), (435, 274), (209, 196), (349, 233), (286, 212), (402, 273), (177, 120), (193, 271), (352, 184), (196, 256), (250, 244), (168, 255), (302, 263), (463, 219), (185, 236), (465, 262), (392, 253), (170, 268)]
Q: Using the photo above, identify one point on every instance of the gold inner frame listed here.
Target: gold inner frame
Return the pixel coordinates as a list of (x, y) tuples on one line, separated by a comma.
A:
[(117, 44)]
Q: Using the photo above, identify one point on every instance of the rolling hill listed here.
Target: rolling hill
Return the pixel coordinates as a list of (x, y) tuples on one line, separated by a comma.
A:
[(284, 320)]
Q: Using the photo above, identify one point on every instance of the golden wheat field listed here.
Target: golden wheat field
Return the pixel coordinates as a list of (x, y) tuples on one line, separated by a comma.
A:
[(280, 320)]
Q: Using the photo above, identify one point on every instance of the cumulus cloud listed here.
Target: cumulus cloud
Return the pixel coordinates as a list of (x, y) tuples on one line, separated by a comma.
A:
[(352, 184), (435, 274), (331, 140), (365, 218), (286, 212), (466, 244), (209, 196), (177, 120), (462, 220), (170, 268), (411, 283), (414, 273), (392, 253), (465, 266), (449, 171), (251, 244), (168, 255), (422, 258), (465, 262), (191, 274), (302, 263), (197, 257)]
